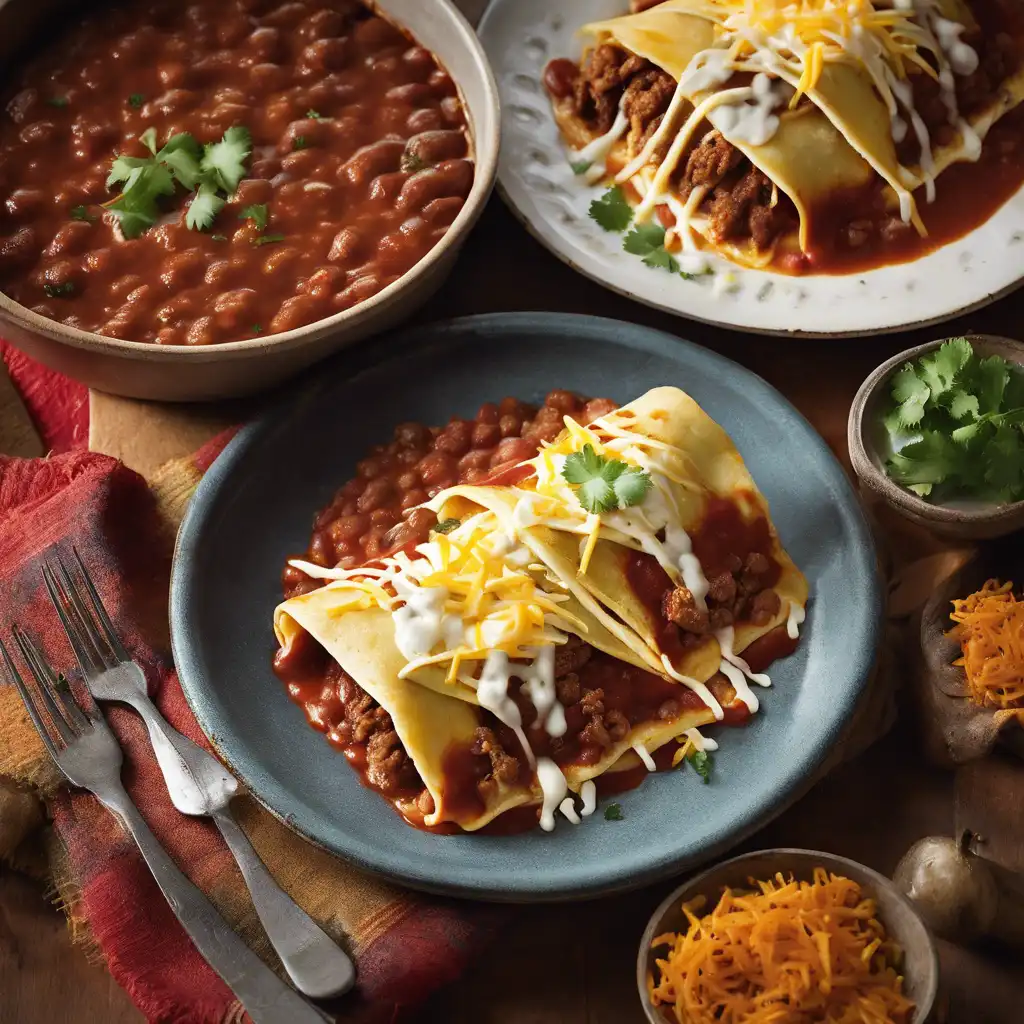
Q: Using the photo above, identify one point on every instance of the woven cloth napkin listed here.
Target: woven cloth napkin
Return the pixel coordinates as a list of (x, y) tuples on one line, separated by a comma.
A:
[(405, 946)]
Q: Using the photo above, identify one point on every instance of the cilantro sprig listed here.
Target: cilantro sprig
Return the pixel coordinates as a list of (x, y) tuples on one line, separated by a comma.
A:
[(613, 812), (602, 484), (701, 762), (208, 171), (257, 213), (447, 525), (612, 210), (956, 426), (648, 240)]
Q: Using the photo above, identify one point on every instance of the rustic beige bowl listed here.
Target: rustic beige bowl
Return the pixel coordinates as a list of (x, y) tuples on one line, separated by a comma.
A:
[(181, 373), (867, 442), (896, 912)]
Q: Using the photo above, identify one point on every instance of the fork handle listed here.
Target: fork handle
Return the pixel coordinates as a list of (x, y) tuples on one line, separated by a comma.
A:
[(318, 966), (266, 998)]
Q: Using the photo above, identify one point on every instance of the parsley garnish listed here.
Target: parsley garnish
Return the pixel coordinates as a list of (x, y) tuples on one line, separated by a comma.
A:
[(257, 329), (257, 213), (57, 291), (612, 211), (648, 240), (136, 100), (604, 484), (58, 101), (209, 171), (447, 525), (82, 213), (701, 761), (219, 238), (300, 142), (613, 812), (267, 239), (314, 115), (580, 166), (412, 162), (956, 425)]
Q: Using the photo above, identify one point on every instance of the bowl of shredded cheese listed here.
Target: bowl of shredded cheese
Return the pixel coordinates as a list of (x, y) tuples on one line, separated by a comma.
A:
[(787, 937)]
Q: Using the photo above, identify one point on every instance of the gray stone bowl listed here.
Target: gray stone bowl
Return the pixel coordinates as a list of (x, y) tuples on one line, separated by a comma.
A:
[(896, 912), (869, 449)]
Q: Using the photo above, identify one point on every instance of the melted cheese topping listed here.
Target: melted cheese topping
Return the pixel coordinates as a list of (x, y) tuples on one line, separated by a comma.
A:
[(786, 46)]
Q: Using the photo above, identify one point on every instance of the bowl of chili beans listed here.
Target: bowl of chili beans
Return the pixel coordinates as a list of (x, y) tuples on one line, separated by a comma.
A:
[(200, 200)]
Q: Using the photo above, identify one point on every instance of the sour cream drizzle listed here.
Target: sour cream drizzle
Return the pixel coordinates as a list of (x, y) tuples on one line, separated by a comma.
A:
[(588, 793), (553, 787)]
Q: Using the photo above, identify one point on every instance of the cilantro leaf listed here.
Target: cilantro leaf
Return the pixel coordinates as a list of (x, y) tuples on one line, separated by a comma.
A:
[(136, 99), (137, 209), (314, 115), (224, 162), (613, 812), (204, 207), (1005, 463), (612, 210), (631, 487), (219, 238), (701, 761), (82, 213), (580, 166), (644, 239), (300, 142), (447, 525), (927, 461), (58, 101), (56, 291), (123, 168), (912, 393), (661, 259), (148, 139), (604, 484), (267, 239), (957, 425), (257, 213)]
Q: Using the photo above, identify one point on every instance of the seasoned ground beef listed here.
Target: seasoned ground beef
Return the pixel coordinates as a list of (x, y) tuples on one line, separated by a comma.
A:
[(602, 79), (571, 656), (737, 594), (710, 162), (645, 101), (743, 208), (504, 766)]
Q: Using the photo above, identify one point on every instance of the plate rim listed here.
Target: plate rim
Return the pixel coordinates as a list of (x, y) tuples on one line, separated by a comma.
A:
[(446, 333), (565, 253)]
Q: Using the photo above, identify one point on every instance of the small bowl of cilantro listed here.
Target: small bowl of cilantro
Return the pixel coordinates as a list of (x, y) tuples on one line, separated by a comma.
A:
[(938, 433)]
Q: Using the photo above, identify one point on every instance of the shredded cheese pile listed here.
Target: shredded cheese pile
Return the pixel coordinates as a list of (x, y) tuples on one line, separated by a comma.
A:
[(467, 585), (990, 628), (560, 508), (790, 953)]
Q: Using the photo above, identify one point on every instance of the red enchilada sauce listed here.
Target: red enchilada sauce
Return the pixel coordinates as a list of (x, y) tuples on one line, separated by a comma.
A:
[(602, 697)]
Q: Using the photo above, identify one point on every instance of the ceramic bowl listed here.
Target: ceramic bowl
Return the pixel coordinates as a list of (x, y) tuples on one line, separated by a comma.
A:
[(896, 912), (186, 373), (867, 442)]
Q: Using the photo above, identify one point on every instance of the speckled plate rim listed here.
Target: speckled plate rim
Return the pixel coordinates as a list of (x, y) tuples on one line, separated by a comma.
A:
[(535, 181), (852, 636)]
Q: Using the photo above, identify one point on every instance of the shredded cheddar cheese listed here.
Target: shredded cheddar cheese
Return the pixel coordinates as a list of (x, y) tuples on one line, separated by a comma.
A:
[(990, 628), (788, 953)]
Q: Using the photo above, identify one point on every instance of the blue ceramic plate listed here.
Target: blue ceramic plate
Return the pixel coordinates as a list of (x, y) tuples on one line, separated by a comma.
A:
[(255, 506)]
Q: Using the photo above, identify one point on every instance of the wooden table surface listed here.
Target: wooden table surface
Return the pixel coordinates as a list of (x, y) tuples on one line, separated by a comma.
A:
[(575, 964)]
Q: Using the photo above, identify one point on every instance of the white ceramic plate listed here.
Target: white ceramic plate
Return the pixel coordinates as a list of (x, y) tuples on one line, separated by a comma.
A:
[(521, 36)]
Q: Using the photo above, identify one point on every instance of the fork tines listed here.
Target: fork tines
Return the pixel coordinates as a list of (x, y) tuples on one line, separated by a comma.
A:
[(85, 620), (51, 693)]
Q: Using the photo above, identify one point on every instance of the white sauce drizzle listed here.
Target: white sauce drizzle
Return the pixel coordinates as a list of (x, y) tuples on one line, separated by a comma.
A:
[(596, 151), (588, 793), (797, 614), (418, 623), (554, 787), (699, 740), (737, 670), (644, 755), (752, 121), (568, 808), (539, 685), (492, 693)]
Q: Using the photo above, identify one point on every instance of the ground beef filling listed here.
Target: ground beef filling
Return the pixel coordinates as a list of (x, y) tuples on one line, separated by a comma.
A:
[(389, 769), (737, 594)]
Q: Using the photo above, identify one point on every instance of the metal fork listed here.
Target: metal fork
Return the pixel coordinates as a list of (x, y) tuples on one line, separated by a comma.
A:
[(87, 752), (197, 782)]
